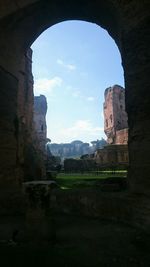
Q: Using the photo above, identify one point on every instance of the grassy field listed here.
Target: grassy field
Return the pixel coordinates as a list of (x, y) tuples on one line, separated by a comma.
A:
[(80, 180)]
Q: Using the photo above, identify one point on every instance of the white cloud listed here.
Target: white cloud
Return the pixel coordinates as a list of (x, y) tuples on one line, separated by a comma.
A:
[(90, 98), (44, 85), (69, 67), (80, 129)]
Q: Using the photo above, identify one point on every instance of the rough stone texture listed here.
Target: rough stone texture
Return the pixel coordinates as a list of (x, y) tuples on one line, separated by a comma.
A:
[(121, 206), (112, 156), (39, 118), (115, 116), (30, 165), (121, 137), (8, 134), (36, 152), (38, 209), (127, 22), (115, 127), (25, 114)]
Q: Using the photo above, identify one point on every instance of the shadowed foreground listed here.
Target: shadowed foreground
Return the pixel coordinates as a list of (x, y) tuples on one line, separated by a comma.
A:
[(83, 242)]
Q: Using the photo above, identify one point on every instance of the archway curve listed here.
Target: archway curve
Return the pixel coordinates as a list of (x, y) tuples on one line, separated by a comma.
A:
[(105, 67), (21, 26), (36, 18), (127, 22), (22, 23)]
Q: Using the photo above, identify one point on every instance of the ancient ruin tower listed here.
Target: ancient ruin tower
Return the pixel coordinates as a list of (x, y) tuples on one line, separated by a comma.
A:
[(115, 116), (40, 109)]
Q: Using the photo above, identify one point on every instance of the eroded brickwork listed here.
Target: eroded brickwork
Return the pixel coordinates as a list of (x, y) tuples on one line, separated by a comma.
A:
[(116, 129), (21, 23), (112, 156), (115, 116), (40, 109), (30, 165)]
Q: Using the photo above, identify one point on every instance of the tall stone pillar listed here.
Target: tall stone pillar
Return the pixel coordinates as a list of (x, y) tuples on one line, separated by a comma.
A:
[(136, 54), (12, 206), (9, 180)]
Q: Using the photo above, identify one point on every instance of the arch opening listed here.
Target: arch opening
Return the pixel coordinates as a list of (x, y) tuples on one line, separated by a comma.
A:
[(20, 25), (78, 70)]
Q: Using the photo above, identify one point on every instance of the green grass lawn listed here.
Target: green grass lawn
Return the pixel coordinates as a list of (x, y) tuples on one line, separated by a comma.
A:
[(80, 180)]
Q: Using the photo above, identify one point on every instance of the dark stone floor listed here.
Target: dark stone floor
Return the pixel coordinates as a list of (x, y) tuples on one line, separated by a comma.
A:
[(83, 242)]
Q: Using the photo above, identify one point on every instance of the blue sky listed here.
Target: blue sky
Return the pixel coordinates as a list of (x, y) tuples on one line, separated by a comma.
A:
[(73, 63)]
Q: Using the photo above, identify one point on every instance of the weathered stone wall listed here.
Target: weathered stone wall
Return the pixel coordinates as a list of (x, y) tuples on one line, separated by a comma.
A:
[(109, 115), (25, 113), (127, 22), (118, 206), (112, 155), (9, 128), (115, 127), (30, 164), (40, 134), (22, 160), (39, 118), (121, 137), (16, 133), (115, 116), (120, 115)]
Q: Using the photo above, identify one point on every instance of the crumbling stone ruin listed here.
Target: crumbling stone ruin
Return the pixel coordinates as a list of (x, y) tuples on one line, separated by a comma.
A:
[(112, 156), (115, 116), (39, 118), (40, 131), (21, 23), (30, 149), (116, 129)]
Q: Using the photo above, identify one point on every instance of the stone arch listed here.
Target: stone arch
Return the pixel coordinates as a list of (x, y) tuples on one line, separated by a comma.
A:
[(35, 18), (21, 24)]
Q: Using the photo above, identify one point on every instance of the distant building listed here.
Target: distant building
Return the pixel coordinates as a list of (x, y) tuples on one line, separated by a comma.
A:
[(76, 148), (67, 150)]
